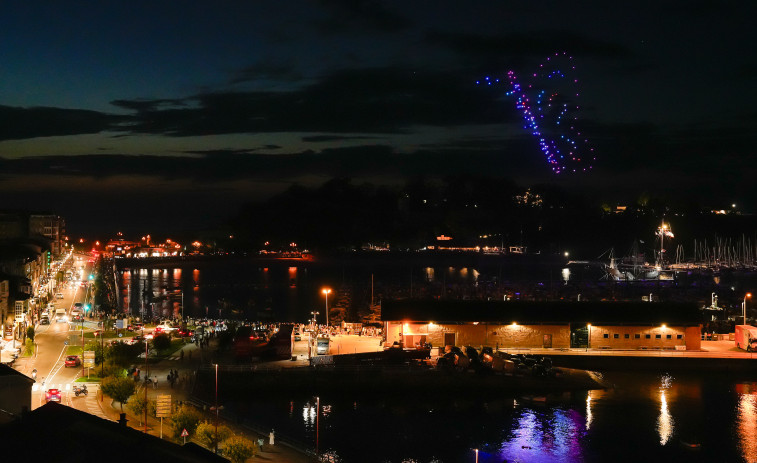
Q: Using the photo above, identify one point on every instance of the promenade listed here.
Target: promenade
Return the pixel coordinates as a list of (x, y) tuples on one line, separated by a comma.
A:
[(279, 452)]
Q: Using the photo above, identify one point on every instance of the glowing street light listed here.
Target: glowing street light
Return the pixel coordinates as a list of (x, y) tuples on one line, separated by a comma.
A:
[(476, 450), (326, 292), (747, 295)]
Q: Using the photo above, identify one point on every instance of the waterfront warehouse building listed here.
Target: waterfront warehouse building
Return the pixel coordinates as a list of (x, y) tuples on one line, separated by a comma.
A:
[(556, 325)]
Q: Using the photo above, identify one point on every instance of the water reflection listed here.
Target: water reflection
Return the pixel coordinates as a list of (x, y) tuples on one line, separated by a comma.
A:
[(746, 420), (551, 435), (665, 423)]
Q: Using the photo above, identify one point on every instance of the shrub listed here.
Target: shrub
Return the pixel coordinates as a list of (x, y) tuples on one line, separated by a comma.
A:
[(184, 417), (206, 434), (238, 449)]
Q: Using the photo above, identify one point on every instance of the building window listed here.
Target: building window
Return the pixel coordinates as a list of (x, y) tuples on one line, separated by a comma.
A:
[(626, 336), (670, 336), (616, 336), (637, 336), (679, 336), (658, 336), (647, 336), (606, 336)]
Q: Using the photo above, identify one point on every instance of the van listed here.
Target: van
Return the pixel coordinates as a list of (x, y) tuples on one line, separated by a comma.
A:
[(60, 315), (322, 345)]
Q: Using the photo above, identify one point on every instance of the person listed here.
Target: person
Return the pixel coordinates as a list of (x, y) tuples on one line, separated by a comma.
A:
[(270, 438), (34, 374), (155, 382)]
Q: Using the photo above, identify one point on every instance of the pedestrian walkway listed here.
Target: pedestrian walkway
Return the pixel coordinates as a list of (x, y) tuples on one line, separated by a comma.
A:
[(109, 409)]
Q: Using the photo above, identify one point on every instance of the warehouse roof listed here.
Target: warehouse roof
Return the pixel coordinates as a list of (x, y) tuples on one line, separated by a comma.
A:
[(553, 312)]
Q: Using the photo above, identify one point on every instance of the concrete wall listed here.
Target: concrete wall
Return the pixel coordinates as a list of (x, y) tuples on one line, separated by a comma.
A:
[(532, 336)]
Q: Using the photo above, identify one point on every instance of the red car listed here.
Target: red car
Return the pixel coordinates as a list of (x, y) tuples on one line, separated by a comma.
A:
[(52, 395), (73, 361)]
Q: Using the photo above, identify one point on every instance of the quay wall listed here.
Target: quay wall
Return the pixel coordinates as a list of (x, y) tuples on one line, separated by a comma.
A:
[(609, 362)]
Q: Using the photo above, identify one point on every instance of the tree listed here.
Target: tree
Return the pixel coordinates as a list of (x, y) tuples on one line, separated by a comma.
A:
[(184, 418), (206, 434), (119, 388), (137, 404), (161, 341), (30, 333), (238, 449)]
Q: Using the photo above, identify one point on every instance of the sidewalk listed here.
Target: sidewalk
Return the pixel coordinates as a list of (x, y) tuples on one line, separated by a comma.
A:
[(180, 393)]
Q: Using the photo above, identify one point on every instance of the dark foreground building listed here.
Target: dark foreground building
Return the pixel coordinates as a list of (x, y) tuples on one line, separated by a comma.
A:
[(58, 433)]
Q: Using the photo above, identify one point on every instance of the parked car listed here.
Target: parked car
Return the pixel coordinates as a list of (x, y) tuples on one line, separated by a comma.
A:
[(52, 395), (59, 296), (72, 361), (297, 336), (44, 320)]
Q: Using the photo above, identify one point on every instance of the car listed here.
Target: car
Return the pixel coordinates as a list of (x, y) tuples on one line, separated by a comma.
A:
[(77, 317), (52, 395), (297, 336), (185, 332), (72, 361), (44, 321), (79, 306), (135, 326), (135, 339), (59, 296)]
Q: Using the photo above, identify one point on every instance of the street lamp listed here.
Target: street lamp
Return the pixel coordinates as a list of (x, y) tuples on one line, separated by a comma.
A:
[(326, 292), (747, 295), (216, 439)]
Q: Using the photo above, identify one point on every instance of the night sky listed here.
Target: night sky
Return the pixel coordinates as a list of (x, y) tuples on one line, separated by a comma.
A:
[(141, 116)]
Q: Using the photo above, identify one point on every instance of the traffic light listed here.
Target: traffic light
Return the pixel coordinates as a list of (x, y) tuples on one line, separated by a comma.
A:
[(91, 276), (86, 307)]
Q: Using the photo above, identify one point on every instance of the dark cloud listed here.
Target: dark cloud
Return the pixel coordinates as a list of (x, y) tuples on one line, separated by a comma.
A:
[(386, 100), (524, 48), (360, 15), (21, 123), (270, 70), (328, 138)]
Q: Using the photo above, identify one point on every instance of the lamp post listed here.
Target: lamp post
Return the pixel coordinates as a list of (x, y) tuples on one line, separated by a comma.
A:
[(216, 439), (326, 292), (747, 295), (317, 419)]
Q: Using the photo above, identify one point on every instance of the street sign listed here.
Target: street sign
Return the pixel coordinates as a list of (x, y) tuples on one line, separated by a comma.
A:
[(163, 406), (88, 359), (184, 433)]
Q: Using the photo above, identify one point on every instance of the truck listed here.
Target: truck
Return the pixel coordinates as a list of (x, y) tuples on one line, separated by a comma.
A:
[(746, 337)]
